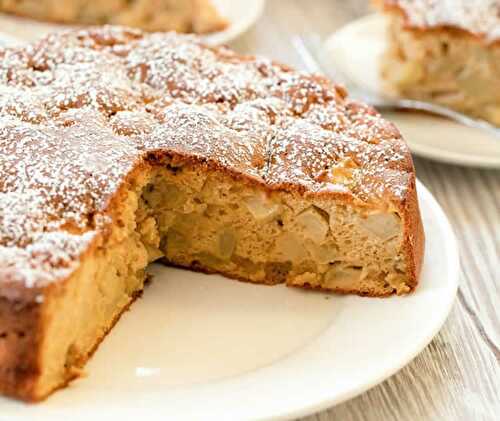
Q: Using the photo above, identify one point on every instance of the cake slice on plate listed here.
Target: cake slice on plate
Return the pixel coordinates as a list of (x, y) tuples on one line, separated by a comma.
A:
[(198, 16), (446, 52), (119, 148)]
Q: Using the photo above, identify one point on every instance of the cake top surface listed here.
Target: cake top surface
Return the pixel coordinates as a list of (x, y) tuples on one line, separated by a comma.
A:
[(479, 17), (79, 111)]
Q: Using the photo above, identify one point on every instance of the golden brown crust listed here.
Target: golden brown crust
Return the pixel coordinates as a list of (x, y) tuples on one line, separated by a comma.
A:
[(414, 236), (85, 112)]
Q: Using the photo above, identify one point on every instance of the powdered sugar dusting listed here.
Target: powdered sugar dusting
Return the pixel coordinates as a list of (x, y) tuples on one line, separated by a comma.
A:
[(79, 111), (480, 17), (48, 255)]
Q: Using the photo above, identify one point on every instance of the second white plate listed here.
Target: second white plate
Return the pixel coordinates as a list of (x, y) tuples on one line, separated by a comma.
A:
[(202, 347), (241, 15), (357, 49)]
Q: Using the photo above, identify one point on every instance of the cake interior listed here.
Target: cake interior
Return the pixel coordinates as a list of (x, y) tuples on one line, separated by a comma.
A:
[(189, 216)]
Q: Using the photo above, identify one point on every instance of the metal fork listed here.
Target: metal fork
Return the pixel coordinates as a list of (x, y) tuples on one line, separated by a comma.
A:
[(308, 48)]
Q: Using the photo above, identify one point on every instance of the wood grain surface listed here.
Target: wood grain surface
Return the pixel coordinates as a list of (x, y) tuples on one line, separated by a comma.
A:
[(457, 377)]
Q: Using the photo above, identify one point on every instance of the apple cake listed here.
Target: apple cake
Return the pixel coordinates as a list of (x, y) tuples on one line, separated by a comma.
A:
[(119, 148), (198, 16), (447, 52)]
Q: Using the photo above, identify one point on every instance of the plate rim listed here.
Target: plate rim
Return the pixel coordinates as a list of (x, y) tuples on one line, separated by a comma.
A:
[(235, 30), (428, 152), (454, 265)]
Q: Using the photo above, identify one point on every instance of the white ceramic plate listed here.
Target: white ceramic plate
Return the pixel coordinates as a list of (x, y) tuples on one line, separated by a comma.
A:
[(357, 49), (241, 14), (203, 347)]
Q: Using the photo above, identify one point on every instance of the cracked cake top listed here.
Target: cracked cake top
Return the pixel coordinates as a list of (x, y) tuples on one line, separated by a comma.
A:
[(80, 110)]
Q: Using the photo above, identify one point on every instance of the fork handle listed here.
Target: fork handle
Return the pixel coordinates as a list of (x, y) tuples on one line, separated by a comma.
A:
[(412, 105)]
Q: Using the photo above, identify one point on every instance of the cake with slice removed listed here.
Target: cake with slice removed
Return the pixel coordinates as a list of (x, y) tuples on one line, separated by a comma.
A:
[(119, 148)]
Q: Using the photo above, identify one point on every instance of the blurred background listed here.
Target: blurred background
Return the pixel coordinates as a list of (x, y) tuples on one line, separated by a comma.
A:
[(457, 377)]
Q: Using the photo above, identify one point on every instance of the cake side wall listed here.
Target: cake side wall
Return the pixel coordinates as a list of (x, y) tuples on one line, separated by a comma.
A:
[(21, 330), (414, 235)]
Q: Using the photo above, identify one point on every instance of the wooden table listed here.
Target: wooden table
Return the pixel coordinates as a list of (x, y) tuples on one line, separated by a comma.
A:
[(457, 377)]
